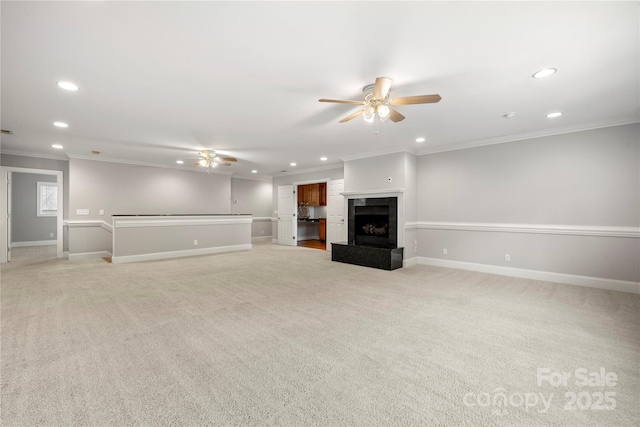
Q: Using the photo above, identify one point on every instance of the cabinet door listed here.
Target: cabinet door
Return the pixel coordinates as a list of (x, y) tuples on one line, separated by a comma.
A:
[(322, 196), (322, 227), (301, 194), (314, 199)]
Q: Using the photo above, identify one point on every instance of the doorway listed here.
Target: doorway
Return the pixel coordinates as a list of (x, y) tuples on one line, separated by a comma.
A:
[(29, 246)]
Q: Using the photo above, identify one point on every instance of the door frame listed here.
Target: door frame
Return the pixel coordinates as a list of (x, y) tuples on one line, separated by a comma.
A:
[(295, 198), (4, 232)]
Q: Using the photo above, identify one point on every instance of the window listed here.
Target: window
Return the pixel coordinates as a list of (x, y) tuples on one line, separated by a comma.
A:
[(47, 198)]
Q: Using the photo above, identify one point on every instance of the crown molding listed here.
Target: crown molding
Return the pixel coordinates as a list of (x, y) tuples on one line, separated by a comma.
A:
[(376, 154), (532, 135), (302, 171), (35, 155)]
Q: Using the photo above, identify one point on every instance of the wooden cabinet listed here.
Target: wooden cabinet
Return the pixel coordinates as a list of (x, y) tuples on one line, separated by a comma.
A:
[(322, 228), (313, 194), (322, 195)]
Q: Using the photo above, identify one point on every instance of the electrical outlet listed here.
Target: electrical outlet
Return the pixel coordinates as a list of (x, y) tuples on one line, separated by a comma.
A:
[(82, 211), (507, 257), (444, 252), (261, 231), (50, 234), (101, 211), (195, 243)]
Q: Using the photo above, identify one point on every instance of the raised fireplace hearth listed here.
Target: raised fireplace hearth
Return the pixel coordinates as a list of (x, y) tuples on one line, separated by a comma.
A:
[(372, 234)]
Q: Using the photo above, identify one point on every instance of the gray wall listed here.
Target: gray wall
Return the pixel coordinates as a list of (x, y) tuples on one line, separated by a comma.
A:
[(121, 189), (27, 226), (589, 178), (253, 197), (372, 173)]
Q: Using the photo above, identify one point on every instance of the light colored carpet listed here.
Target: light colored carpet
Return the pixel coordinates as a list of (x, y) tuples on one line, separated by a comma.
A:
[(284, 336)]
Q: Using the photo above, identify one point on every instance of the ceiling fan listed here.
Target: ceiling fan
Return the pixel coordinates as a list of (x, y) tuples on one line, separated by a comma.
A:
[(377, 102), (209, 159)]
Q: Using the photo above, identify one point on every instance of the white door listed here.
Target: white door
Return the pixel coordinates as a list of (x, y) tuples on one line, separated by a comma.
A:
[(5, 226), (286, 216), (336, 227)]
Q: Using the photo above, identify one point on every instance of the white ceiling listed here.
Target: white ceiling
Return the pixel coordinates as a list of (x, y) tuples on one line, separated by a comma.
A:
[(161, 80)]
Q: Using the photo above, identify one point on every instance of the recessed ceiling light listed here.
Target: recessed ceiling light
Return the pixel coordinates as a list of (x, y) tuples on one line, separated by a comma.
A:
[(509, 115), (68, 86), (58, 146), (60, 124), (324, 159), (554, 115), (421, 139), (179, 162), (292, 164), (254, 171), (544, 73)]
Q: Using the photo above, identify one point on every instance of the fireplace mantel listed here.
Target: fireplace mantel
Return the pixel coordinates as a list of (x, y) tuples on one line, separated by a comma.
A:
[(360, 194)]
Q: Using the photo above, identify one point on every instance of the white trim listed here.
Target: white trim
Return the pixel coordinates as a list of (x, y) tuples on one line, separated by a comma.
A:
[(386, 192), (546, 276), (274, 219), (261, 238), (575, 230), (178, 254), (375, 154), (159, 221), (88, 223), (410, 261), (34, 243), (88, 255), (309, 170), (262, 218), (311, 181), (256, 177), (532, 135)]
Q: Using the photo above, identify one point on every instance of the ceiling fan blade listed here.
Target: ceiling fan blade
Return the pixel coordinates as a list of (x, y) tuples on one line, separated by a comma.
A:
[(228, 159), (420, 99), (353, 116), (339, 101), (381, 88), (395, 116)]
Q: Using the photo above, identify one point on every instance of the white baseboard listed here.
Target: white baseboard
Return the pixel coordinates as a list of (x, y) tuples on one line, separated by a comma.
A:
[(34, 243), (261, 239), (410, 261), (87, 255), (546, 276), (178, 254)]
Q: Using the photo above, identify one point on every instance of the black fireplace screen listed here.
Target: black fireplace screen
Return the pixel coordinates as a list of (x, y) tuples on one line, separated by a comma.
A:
[(373, 222)]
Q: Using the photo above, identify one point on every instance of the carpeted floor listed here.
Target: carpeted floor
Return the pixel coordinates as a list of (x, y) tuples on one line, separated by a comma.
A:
[(283, 336)]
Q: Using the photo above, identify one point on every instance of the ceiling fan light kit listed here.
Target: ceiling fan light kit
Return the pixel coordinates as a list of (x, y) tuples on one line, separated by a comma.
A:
[(209, 159), (377, 102)]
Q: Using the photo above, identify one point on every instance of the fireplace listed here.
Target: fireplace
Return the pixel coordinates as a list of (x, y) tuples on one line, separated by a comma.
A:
[(372, 234), (373, 222)]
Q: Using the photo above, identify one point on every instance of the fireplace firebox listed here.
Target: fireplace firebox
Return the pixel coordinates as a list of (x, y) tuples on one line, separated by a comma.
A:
[(372, 234)]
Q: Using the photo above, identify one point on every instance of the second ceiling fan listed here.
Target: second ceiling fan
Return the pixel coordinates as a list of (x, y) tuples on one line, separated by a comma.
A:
[(377, 102)]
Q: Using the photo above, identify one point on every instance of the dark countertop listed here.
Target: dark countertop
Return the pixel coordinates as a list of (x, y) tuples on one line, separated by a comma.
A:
[(310, 219), (199, 214)]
